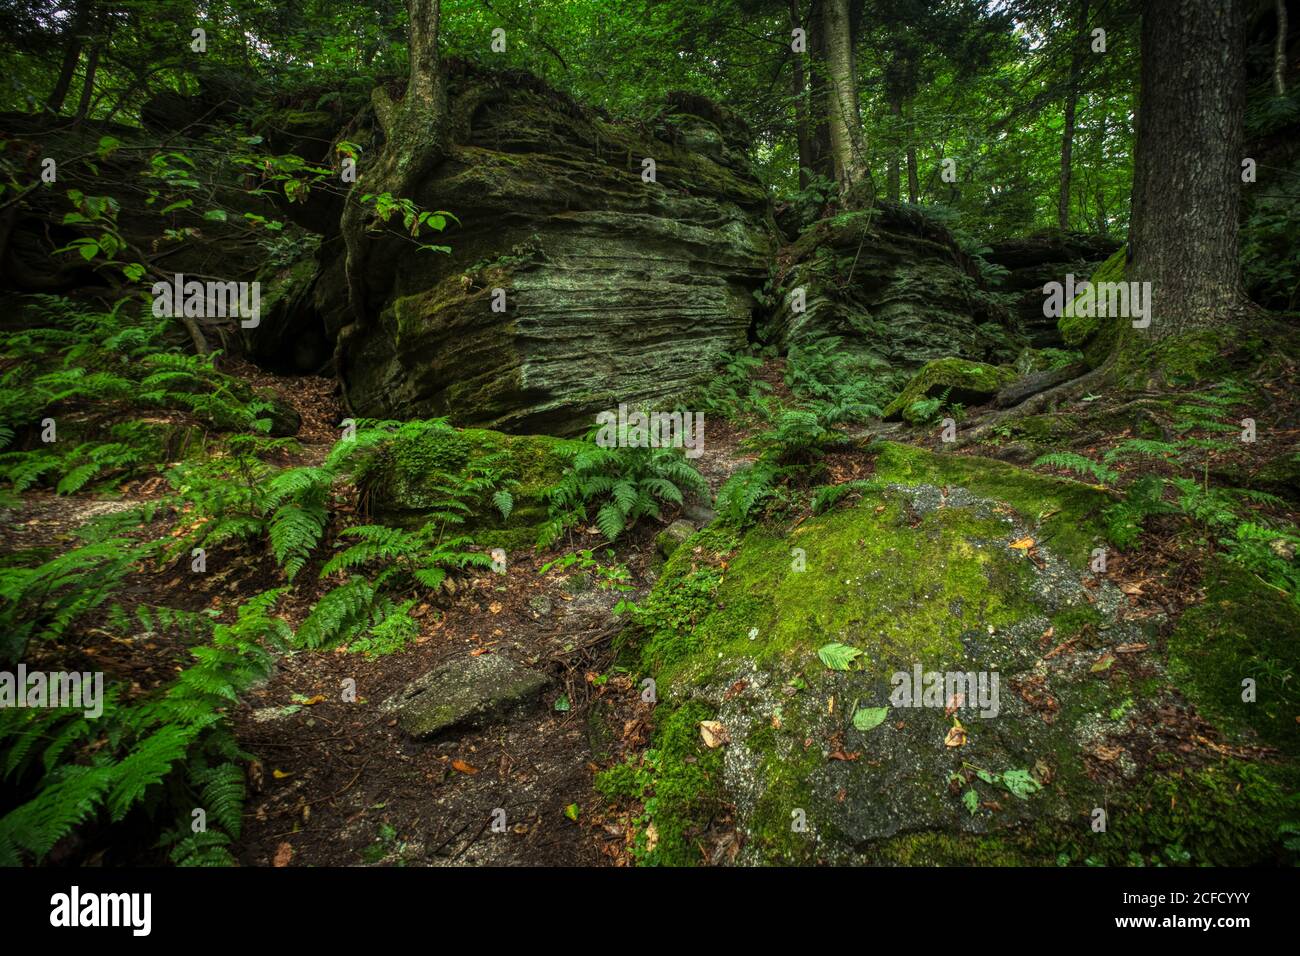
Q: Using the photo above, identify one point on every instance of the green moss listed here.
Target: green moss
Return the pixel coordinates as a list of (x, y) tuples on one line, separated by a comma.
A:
[(677, 782), (404, 481), (1094, 335), (1243, 629), (964, 381), (1063, 514), (1225, 814)]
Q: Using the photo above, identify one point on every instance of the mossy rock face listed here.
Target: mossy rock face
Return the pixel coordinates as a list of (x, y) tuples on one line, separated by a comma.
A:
[(616, 289), (965, 382), (1244, 630), (895, 287), (1095, 336), (931, 571), (403, 481)]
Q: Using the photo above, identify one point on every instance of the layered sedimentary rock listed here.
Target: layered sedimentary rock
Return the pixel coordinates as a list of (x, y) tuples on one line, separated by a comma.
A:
[(892, 285), (617, 287), (1046, 257)]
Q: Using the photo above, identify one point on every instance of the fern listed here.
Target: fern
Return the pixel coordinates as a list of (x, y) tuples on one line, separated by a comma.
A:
[(1079, 465)]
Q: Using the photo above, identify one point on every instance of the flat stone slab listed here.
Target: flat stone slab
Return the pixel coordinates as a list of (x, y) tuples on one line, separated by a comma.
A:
[(470, 691)]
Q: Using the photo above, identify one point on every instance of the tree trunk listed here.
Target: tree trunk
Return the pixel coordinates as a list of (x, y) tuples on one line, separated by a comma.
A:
[(1071, 104), (892, 170), (799, 89), (1103, 227), (414, 143), (843, 118), (1187, 162), (823, 164), (913, 183), (1279, 51), (71, 54), (88, 85)]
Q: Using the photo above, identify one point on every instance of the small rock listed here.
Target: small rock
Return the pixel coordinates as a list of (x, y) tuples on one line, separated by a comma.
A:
[(470, 691), (672, 537)]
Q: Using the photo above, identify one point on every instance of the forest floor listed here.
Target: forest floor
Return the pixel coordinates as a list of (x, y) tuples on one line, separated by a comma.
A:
[(337, 783)]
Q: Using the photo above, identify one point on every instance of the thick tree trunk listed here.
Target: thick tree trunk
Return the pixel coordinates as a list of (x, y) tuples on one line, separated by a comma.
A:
[(819, 128), (1279, 49), (843, 118), (799, 90), (1187, 162), (71, 54)]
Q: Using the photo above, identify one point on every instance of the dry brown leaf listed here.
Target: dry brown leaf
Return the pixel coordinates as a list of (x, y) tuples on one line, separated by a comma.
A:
[(283, 854), (714, 734), (463, 767)]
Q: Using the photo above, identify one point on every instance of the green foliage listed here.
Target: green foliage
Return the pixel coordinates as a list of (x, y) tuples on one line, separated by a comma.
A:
[(622, 484), (164, 754), (1078, 464)]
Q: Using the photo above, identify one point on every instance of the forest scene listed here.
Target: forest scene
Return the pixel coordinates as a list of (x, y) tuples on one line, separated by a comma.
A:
[(625, 433)]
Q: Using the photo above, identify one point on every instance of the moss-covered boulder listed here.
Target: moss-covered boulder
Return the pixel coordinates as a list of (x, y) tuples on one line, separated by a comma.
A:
[(1094, 335), (781, 656), (963, 381), (618, 287), (1047, 256), (406, 479), (895, 287)]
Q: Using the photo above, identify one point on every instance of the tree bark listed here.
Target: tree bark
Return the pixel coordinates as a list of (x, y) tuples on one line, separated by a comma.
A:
[(414, 130), (843, 117), (1187, 162), (1071, 104), (799, 89), (1279, 50), (71, 54), (892, 170), (88, 84)]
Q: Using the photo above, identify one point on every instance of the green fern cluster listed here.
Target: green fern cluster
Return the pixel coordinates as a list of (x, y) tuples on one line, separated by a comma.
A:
[(838, 386), (622, 484), (165, 755), (86, 368)]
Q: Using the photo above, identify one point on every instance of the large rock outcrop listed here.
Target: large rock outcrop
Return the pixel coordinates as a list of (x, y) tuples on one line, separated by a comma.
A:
[(781, 736), (895, 287), (616, 289)]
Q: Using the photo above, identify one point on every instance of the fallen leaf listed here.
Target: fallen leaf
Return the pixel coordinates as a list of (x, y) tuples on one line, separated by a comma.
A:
[(572, 811), (1023, 544), (956, 736), (1103, 663), (283, 854), (281, 774), (714, 734), (463, 767)]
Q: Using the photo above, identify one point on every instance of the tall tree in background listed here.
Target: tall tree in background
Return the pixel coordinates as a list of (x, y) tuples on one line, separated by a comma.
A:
[(1077, 54), (1187, 163), (78, 23), (848, 146)]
